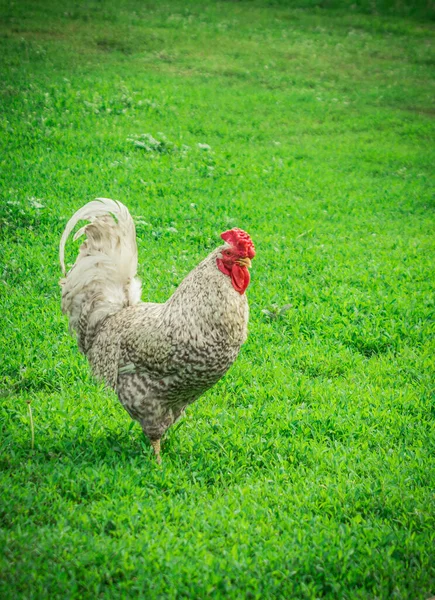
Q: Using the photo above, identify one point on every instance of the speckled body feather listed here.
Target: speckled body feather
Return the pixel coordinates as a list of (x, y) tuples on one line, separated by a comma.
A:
[(158, 357)]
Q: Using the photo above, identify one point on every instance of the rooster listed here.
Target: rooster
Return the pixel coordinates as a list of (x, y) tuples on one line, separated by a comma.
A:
[(159, 358)]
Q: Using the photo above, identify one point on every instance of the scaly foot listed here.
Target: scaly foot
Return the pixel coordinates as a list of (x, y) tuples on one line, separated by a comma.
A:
[(156, 445)]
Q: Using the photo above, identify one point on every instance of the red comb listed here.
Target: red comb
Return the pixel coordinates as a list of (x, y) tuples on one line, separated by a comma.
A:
[(240, 240)]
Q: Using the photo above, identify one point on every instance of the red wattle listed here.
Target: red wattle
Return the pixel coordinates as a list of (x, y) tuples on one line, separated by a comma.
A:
[(240, 278)]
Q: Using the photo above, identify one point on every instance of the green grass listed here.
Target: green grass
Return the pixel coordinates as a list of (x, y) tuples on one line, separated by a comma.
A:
[(309, 471)]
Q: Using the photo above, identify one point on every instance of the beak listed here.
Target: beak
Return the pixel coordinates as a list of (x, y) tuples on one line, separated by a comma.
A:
[(244, 262)]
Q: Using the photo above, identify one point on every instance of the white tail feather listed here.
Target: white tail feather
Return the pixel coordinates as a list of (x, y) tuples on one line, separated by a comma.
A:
[(102, 280)]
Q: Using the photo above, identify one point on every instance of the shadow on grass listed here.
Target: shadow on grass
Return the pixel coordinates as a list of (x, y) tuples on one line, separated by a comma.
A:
[(120, 457)]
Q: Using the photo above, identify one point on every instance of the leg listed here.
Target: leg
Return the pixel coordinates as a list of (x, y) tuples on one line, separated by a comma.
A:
[(156, 445), (155, 422)]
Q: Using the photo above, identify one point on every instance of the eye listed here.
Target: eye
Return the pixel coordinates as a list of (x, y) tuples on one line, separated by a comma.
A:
[(227, 252)]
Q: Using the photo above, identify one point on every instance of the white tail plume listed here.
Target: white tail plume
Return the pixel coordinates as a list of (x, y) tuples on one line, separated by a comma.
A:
[(102, 280)]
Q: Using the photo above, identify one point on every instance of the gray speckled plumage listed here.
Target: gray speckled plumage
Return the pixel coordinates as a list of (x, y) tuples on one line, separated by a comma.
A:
[(158, 357)]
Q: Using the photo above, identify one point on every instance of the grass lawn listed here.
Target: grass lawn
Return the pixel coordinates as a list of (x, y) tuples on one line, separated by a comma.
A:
[(309, 470)]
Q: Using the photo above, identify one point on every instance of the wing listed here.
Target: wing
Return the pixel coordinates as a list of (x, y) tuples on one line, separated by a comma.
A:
[(133, 340), (147, 345)]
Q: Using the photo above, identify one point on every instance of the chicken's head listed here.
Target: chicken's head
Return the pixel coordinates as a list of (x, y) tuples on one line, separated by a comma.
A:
[(235, 258)]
